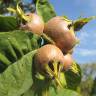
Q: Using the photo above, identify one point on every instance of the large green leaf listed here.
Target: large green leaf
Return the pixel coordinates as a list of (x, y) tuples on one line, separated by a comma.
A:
[(63, 92), (17, 49), (53, 92), (8, 23), (17, 78), (14, 45), (45, 9), (39, 88), (29, 92)]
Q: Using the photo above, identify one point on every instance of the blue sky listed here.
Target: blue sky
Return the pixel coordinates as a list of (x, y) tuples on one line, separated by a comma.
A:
[(85, 52)]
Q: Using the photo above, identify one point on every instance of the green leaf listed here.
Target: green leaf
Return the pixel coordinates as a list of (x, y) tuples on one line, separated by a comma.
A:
[(52, 92), (78, 24), (62, 79), (15, 44), (63, 92), (11, 10), (73, 78), (29, 92), (21, 13), (40, 85), (17, 49), (17, 78), (67, 19), (45, 10), (8, 23)]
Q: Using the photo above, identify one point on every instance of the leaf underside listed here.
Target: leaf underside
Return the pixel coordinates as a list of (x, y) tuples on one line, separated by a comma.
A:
[(45, 10)]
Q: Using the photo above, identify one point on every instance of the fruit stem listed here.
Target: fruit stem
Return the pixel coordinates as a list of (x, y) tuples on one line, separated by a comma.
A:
[(45, 93), (39, 76), (48, 38), (49, 71), (58, 82), (54, 73), (55, 68)]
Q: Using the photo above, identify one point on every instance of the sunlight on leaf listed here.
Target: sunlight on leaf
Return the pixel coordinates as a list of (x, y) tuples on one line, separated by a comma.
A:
[(79, 23)]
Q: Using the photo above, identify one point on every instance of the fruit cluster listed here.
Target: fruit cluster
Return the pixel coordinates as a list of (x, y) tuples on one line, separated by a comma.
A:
[(54, 57)]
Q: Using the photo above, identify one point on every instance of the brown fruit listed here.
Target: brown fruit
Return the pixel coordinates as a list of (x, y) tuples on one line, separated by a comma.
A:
[(59, 30), (68, 60), (45, 55), (36, 25)]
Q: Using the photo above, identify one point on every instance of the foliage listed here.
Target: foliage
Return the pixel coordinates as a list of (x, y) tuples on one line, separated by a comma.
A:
[(18, 75), (78, 24), (93, 91), (45, 10), (17, 78), (8, 23), (75, 79)]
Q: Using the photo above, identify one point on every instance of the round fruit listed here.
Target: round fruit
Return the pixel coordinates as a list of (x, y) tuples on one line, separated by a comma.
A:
[(36, 25), (68, 60), (60, 31), (46, 56)]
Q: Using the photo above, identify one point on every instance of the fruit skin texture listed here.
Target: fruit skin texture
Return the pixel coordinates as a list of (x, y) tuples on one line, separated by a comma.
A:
[(68, 60), (36, 25), (47, 54), (57, 29)]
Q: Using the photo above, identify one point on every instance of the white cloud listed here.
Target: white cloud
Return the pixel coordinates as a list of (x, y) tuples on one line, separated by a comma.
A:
[(85, 52)]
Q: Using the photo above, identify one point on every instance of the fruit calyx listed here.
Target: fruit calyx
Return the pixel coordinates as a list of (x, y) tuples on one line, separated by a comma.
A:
[(35, 24), (48, 61)]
